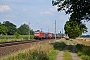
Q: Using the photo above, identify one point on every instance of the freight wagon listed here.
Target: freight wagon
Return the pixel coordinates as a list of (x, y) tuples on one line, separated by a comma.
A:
[(50, 35), (46, 35)]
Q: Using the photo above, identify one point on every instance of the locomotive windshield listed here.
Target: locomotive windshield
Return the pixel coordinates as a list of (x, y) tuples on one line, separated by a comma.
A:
[(36, 32)]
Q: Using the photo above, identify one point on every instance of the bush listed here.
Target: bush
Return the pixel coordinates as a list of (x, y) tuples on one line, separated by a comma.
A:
[(16, 35), (85, 57), (83, 52), (38, 55), (59, 45)]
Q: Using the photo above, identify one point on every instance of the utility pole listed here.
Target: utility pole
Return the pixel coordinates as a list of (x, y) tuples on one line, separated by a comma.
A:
[(29, 31), (48, 29), (55, 29), (62, 32)]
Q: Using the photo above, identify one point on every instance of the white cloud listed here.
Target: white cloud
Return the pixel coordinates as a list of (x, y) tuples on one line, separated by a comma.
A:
[(49, 24), (10, 16), (22, 1), (24, 10), (53, 9), (4, 8), (50, 11), (47, 13)]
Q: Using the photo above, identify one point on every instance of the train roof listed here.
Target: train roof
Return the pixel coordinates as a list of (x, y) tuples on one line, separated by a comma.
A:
[(38, 32)]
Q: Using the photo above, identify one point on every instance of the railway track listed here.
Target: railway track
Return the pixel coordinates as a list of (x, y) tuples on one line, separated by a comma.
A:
[(4, 44), (7, 48)]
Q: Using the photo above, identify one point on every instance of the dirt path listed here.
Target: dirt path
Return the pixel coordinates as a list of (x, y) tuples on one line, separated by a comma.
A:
[(73, 52), (60, 54)]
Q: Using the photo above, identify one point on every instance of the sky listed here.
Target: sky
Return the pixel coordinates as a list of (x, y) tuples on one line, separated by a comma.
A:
[(40, 13)]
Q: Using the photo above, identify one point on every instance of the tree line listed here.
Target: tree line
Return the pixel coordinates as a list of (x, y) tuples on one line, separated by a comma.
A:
[(8, 28)]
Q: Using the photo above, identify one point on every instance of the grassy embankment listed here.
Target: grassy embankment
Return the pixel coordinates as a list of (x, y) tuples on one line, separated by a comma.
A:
[(41, 51), (83, 50), (9, 38)]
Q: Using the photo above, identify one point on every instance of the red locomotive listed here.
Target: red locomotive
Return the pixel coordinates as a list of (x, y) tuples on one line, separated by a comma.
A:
[(39, 34)]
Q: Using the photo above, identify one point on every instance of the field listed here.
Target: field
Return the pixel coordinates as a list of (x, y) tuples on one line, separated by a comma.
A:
[(40, 51), (9, 38), (83, 49), (85, 41)]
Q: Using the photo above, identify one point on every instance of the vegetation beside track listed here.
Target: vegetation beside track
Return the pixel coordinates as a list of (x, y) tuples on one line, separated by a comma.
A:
[(36, 52), (9, 38), (41, 51)]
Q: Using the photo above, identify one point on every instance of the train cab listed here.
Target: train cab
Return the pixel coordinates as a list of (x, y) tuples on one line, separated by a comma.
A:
[(39, 35)]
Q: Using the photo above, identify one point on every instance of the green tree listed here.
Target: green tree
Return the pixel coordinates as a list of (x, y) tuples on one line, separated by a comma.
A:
[(11, 27), (16, 35), (23, 29), (78, 9), (31, 32), (3, 29), (74, 29)]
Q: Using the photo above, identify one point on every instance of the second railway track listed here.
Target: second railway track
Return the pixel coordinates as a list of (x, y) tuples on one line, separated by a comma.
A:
[(10, 47), (4, 44)]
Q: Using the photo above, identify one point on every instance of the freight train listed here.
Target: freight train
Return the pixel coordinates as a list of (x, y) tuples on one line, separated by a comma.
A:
[(45, 35)]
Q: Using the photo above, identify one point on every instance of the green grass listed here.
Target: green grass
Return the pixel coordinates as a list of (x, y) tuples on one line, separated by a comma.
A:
[(9, 38), (31, 55), (67, 55), (53, 54), (83, 51)]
